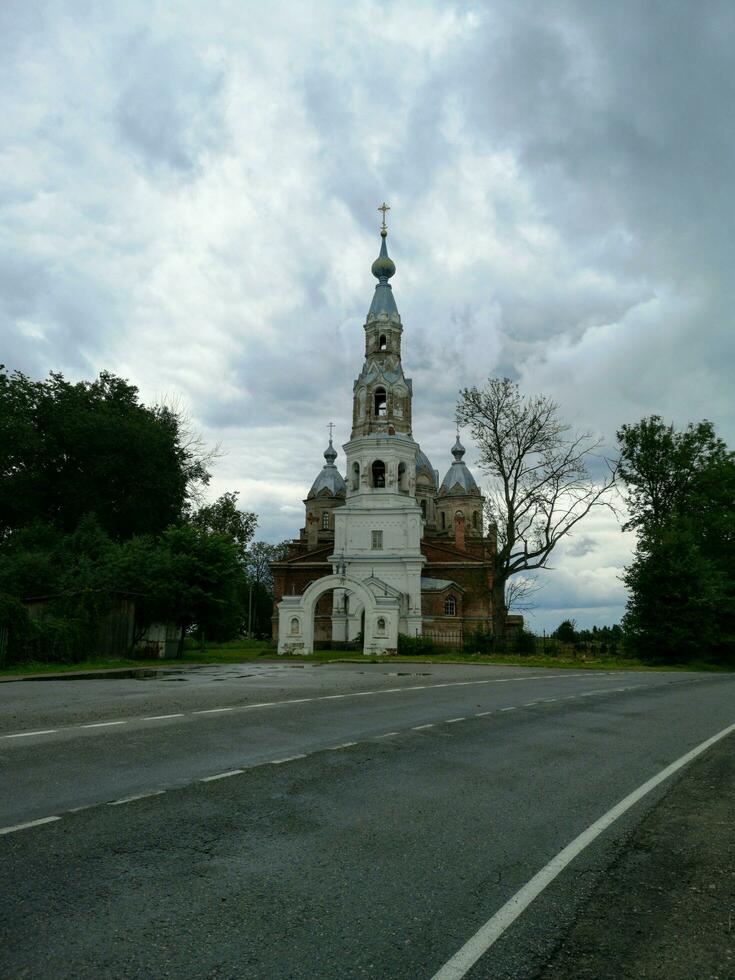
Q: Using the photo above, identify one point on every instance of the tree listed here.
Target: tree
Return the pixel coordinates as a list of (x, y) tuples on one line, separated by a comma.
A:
[(681, 500), (541, 485), (260, 580), (566, 631), (67, 450), (224, 517)]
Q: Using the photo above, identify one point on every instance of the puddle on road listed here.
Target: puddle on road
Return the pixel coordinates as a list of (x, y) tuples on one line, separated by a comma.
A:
[(144, 674), (406, 673)]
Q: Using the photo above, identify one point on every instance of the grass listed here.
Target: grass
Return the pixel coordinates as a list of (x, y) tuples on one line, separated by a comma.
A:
[(244, 651)]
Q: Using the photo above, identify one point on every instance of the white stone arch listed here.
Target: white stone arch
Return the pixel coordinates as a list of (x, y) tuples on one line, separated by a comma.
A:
[(302, 608)]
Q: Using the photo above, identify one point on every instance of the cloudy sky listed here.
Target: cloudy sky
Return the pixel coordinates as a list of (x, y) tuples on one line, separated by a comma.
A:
[(189, 194)]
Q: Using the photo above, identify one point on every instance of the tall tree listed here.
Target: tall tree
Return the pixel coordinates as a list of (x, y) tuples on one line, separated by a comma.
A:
[(541, 484), (681, 501), (91, 447), (224, 517)]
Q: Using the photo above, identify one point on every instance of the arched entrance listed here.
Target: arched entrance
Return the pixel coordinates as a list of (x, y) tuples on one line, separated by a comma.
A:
[(296, 615)]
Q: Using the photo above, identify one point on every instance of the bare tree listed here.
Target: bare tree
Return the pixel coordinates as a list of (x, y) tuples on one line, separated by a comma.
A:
[(541, 486)]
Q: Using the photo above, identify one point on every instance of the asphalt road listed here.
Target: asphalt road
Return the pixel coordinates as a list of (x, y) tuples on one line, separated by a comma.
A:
[(307, 855)]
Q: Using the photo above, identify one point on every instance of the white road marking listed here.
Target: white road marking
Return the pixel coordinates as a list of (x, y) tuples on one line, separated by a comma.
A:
[(387, 735), (481, 714), (290, 758), (418, 728), (331, 697), (104, 724), (211, 711), (44, 731), (178, 714), (24, 826), (344, 745), (530, 704), (474, 948), (509, 709), (451, 721), (138, 796), (220, 775)]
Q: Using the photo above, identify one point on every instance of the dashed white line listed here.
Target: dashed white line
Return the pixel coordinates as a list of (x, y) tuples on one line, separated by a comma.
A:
[(529, 704), (386, 735), (44, 731), (25, 826), (290, 758), (221, 775), (509, 709), (451, 721), (138, 796), (481, 714), (344, 745), (211, 711), (178, 714), (104, 724), (420, 728)]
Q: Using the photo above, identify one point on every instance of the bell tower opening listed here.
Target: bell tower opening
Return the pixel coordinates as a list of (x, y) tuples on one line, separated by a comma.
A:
[(383, 342), (378, 473), (380, 403)]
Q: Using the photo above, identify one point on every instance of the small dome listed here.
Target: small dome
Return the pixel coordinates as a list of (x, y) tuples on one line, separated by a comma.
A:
[(383, 267), (458, 480), (329, 477)]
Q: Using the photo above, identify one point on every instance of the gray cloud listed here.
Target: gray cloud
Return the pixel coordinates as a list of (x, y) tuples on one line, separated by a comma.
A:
[(190, 201)]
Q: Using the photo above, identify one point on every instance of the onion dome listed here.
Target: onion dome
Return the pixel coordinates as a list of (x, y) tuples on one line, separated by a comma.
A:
[(329, 478), (458, 480), (424, 467), (383, 268)]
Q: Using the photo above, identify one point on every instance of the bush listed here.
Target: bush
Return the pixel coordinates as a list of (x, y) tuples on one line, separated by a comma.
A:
[(525, 642), (417, 646), (479, 641)]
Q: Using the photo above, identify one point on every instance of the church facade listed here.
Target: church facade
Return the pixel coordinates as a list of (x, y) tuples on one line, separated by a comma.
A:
[(387, 548)]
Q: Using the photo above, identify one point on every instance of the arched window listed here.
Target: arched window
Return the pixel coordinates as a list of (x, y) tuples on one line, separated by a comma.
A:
[(294, 626), (402, 481), (381, 627), (355, 476), (444, 520), (383, 343), (380, 403), (450, 606), (378, 473), (325, 520), (423, 509), (475, 519)]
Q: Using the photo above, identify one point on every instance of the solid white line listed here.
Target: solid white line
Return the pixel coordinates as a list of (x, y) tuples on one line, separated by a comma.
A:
[(451, 721), (139, 796), (24, 826), (179, 714), (220, 775), (45, 731), (387, 735), (474, 948), (278, 762), (419, 728), (104, 724), (211, 711)]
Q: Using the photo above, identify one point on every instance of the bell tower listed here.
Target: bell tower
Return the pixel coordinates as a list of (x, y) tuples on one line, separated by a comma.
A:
[(377, 533)]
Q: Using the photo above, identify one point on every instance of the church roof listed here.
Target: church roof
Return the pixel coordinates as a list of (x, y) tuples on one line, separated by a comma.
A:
[(423, 465), (329, 477), (437, 584), (458, 480)]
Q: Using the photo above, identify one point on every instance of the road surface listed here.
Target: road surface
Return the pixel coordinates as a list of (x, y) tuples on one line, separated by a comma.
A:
[(331, 821)]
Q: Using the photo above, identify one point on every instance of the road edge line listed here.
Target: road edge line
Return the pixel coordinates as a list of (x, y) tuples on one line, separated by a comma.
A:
[(475, 947)]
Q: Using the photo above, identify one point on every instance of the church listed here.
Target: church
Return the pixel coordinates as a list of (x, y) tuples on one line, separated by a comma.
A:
[(387, 548)]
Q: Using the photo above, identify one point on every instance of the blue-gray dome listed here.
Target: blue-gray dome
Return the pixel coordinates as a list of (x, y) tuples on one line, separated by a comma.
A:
[(329, 478), (423, 466), (458, 480)]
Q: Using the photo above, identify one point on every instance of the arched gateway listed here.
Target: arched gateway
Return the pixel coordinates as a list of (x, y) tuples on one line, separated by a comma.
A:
[(382, 611)]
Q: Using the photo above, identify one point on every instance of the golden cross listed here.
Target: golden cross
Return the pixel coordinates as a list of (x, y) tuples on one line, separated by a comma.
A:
[(384, 207), (330, 427)]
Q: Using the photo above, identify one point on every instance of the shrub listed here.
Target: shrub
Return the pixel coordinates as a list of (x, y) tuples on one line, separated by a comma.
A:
[(417, 646)]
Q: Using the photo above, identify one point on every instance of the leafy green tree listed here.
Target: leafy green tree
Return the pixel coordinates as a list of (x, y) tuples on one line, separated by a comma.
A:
[(681, 498), (566, 631), (224, 517), (70, 449)]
